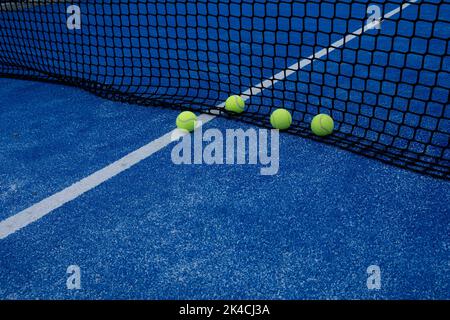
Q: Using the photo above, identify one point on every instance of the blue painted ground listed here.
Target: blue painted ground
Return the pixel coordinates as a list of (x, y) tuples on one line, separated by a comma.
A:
[(161, 231)]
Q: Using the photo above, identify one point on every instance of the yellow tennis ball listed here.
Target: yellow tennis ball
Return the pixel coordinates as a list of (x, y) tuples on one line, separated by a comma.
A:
[(281, 119), (322, 125), (235, 104), (186, 121)]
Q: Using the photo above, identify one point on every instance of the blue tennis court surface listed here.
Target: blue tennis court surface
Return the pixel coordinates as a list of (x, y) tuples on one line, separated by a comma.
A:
[(89, 181), (164, 231)]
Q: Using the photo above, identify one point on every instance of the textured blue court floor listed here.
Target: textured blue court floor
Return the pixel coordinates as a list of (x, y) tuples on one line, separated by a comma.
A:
[(161, 231)]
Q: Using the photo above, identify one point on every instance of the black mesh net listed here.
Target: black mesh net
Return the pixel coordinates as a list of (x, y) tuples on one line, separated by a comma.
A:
[(379, 68)]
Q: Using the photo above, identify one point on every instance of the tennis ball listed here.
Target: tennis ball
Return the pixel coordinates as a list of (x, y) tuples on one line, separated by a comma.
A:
[(186, 121), (235, 104), (322, 125), (281, 119)]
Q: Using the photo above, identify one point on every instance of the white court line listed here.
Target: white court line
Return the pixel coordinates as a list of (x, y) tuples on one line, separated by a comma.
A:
[(44, 207)]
